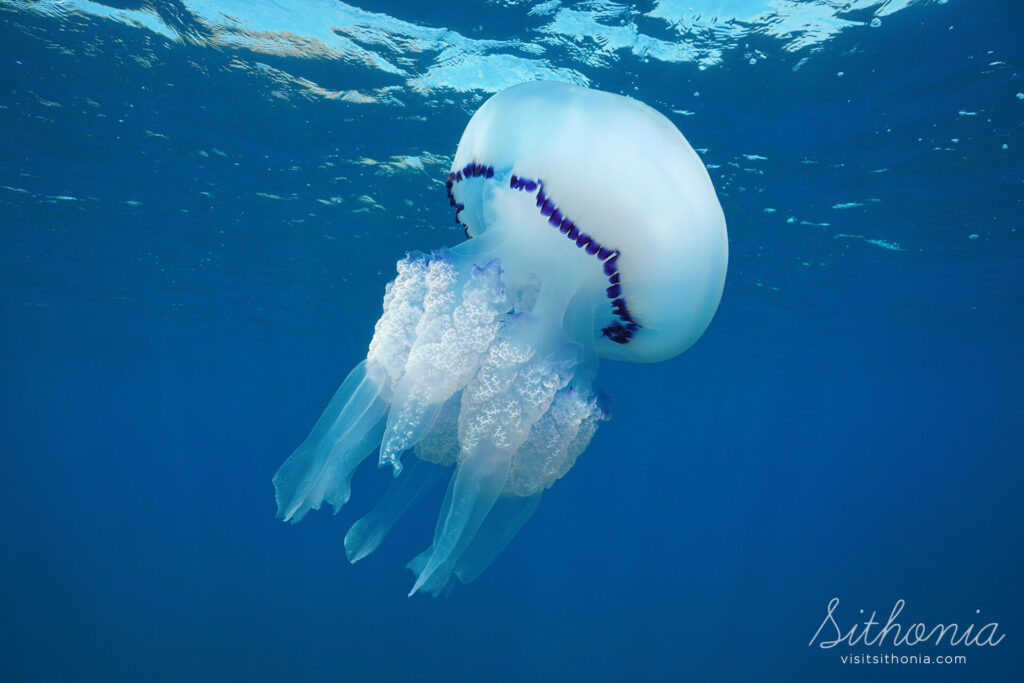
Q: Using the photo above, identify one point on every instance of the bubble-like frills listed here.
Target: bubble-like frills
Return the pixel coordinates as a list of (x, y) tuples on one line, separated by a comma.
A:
[(460, 377)]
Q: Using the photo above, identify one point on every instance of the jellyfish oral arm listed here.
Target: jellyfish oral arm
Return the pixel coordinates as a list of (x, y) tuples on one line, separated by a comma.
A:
[(349, 430), (504, 394)]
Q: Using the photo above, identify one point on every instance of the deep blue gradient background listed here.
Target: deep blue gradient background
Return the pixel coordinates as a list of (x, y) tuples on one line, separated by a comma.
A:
[(849, 426)]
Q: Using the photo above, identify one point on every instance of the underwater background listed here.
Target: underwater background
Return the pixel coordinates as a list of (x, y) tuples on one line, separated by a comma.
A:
[(201, 203)]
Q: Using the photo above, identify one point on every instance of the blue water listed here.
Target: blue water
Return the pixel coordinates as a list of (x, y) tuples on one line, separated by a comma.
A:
[(201, 204)]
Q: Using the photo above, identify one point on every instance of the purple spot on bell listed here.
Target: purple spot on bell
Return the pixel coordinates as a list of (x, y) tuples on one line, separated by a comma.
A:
[(632, 327), (613, 278), (614, 291), (610, 265), (451, 177), (540, 197), (451, 200), (547, 208), (513, 181), (583, 240), (603, 253), (458, 176), (573, 233), (593, 247), (617, 333), (489, 173), (460, 207), (566, 225), (530, 186), (619, 302), (556, 218)]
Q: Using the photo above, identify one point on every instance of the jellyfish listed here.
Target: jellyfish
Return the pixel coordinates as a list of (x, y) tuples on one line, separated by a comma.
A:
[(593, 232)]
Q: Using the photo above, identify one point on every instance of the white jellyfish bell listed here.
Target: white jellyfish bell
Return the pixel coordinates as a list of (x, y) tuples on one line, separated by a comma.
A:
[(594, 232)]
